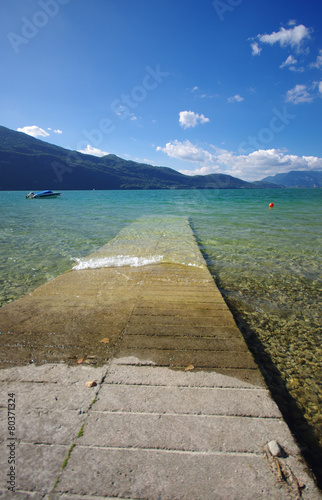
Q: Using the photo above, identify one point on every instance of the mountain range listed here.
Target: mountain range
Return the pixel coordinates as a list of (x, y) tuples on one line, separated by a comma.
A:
[(297, 179), (27, 163)]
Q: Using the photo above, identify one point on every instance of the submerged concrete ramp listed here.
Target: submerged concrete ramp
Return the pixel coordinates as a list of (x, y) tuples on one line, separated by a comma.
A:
[(179, 409)]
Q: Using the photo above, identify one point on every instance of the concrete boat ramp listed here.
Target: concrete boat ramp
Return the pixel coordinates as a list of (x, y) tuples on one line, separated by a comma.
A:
[(135, 382)]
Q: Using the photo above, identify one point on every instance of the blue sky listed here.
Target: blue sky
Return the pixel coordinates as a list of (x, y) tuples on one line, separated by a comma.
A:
[(201, 86)]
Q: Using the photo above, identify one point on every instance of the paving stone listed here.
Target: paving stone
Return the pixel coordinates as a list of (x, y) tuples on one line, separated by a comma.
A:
[(157, 305), (206, 433), (49, 427), (191, 312), (67, 496), (37, 466), (199, 359), (21, 495), (148, 474), (52, 372), (218, 331), (186, 400), (177, 342), (118, 373), (187, 298), (31, 396), (173, 321)]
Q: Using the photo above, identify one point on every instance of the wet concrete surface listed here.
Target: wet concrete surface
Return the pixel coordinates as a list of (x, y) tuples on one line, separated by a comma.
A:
[(168, 314)]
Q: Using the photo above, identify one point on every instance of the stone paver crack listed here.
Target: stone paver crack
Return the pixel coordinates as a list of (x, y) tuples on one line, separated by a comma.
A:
[(80, 432)]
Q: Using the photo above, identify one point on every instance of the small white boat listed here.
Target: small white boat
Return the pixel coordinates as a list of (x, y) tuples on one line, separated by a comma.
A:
[(42, 194)]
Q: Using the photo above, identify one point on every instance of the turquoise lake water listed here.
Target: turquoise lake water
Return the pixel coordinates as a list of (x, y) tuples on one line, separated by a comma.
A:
[(266, 262)]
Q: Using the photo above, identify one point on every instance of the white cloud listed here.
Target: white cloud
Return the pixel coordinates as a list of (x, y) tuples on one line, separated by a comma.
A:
[(252, 166), (298, 95), (89, 150), (235, 98), (320, 87), (292, 37), (189, 119), (197, 171), (297, 70), (289, 62), (34, 131), (199, 93), (186, 151), (123, 112), (318, 62), (208, 96), (256, 50)]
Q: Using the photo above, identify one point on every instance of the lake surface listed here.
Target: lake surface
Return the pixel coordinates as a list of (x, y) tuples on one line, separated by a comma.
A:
[(266, 262)]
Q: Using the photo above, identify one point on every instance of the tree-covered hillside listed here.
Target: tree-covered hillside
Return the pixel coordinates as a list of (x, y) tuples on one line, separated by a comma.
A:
[(27, 163), (297, 179)]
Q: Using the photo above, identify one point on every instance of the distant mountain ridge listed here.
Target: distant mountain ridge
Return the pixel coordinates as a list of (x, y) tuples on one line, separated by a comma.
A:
[(297, 179), (27, 163)]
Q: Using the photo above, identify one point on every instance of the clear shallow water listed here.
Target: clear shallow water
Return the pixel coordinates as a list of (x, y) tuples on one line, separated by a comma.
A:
[(267, 263), (149, 239)]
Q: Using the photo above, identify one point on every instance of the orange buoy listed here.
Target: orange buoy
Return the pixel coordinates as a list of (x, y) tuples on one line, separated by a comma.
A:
[(271, 205)]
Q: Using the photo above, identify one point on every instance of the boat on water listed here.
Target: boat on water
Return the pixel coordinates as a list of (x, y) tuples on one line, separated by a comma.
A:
[(42, 194)]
